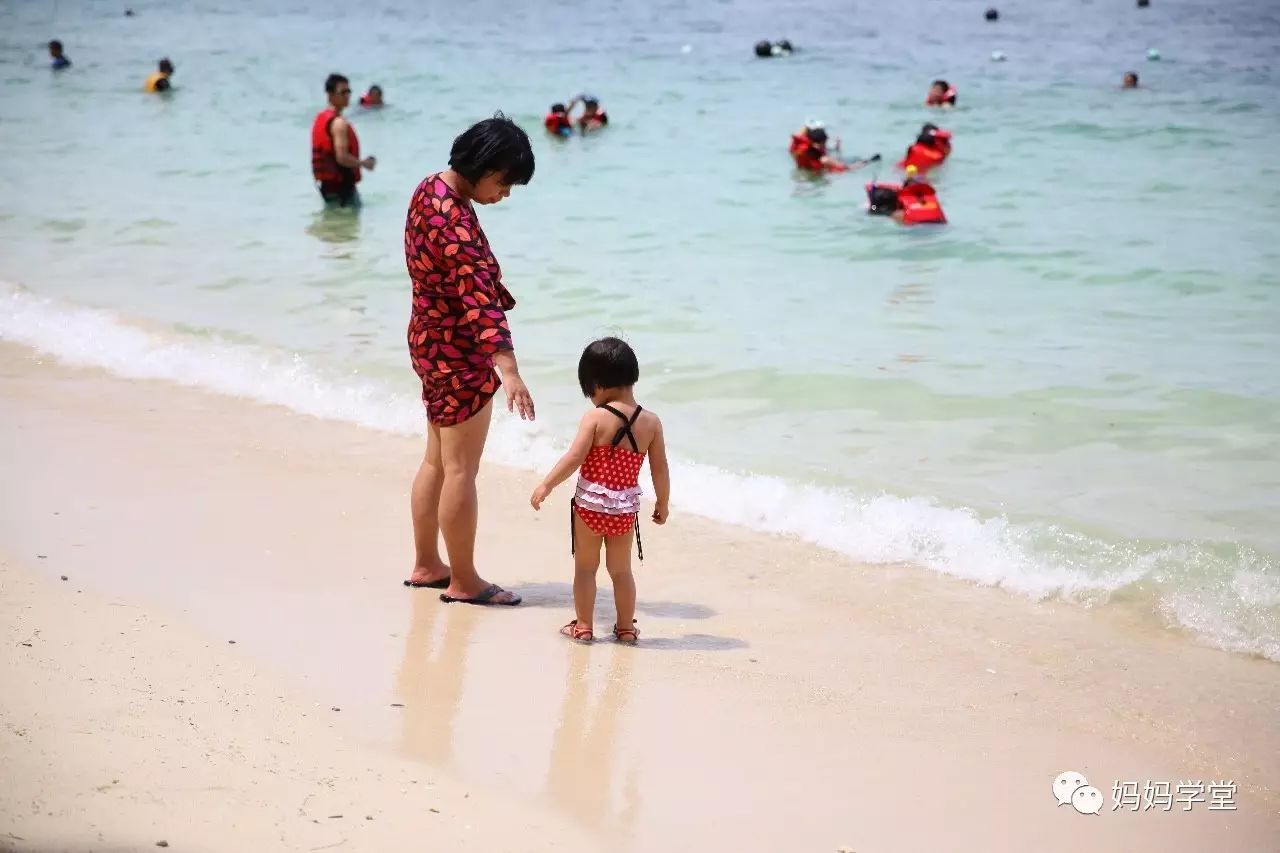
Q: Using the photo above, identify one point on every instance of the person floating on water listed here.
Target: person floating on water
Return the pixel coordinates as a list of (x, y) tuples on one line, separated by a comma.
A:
[(159, 80), (1130, 80), (765, 49), (930, 149), (613, 440), (335, 148), (557, 121), (593, 117), (941, 94), (372, 98), (913, 202), (59, 58)]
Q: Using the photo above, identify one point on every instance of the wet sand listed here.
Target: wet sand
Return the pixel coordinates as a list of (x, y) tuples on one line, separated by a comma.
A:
[(783, 698)]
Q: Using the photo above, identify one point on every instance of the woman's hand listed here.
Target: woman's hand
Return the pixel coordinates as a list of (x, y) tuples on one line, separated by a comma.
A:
[(539, 495), (518, 397)]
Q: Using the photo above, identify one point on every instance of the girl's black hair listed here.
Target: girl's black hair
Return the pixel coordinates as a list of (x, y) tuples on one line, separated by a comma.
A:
[(607, 363), (494, 145)]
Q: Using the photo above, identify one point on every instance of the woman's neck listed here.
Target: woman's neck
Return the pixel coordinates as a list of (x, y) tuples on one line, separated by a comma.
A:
[(458, 184)]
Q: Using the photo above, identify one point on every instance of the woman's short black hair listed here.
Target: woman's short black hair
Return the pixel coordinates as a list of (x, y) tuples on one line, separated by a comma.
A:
[(494, 145), (607, 363)]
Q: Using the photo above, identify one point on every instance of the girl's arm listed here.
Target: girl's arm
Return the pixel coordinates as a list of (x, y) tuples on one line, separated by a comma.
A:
[(661, 474), (570, 462)]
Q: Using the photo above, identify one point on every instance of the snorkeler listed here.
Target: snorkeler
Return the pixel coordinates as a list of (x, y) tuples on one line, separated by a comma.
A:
[(941, 94), (930, 149), (557, 121), (159, 80)]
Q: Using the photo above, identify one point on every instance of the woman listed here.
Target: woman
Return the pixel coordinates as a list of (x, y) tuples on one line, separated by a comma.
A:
[(459, 341)]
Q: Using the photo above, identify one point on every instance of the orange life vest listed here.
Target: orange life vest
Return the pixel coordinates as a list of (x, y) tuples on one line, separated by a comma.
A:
[(324, 161), (596, 120), (920, 204), (809, 156), (947, 97), (557, 123)]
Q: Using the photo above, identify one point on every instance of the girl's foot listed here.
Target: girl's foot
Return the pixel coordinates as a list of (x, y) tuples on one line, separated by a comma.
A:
[(577, 633), (628, 636)]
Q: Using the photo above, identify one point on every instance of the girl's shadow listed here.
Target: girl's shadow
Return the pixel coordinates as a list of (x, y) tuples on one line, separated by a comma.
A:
[(560, 595)]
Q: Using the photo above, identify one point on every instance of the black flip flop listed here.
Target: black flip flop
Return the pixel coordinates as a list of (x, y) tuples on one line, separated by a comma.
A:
[(484, 598), (443, 583)]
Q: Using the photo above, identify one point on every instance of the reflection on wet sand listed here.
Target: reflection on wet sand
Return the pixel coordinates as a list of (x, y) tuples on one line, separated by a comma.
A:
[(429, 681), (583, 777)]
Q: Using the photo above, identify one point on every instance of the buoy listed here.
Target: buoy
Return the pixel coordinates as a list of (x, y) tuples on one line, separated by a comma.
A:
[(998, 56), (1153, 55), (993, 14)]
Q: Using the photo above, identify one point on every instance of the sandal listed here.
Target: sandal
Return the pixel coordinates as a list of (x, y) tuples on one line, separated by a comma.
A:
[(627, 636), (577, 633)]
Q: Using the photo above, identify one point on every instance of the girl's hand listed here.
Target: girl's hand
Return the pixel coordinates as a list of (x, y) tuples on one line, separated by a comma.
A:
[(539, 495), (518, 397), (660, 513)]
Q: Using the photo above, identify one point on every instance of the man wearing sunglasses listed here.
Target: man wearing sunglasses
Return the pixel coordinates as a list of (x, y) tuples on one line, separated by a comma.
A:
[(335, 149)]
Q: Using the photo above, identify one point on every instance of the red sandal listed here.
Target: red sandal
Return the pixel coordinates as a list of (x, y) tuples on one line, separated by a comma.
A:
[(627, 636), (577, 633)]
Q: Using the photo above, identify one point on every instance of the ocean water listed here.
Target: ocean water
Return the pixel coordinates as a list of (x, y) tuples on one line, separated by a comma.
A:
[(1071, 390)]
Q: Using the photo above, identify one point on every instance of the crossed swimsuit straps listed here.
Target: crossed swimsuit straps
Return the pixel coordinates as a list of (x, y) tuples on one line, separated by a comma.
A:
[(607, 497)]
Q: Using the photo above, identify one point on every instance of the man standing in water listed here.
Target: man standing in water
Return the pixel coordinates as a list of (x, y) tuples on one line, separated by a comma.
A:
[(58, 59), (335, 149)]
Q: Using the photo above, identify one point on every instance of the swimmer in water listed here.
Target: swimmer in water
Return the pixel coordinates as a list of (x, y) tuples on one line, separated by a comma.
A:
[(593, 117), (372, 98), (159, 81), (941, 94), (809, 150), (60, 60), (557, 121), (1130, 80)]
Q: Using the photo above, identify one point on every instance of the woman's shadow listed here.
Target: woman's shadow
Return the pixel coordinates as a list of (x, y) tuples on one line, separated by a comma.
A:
[(560, 595)]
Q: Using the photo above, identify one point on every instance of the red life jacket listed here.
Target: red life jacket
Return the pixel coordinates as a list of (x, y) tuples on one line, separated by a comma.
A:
[(324, 162), (920, 204), (598, 119), (557, 123), (809, 156)]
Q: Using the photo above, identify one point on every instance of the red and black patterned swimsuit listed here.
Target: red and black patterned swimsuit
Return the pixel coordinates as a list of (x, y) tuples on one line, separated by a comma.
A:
[(459, 316), (607, 496)]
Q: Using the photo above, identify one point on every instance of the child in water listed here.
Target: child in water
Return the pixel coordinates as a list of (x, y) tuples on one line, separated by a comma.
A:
[(611, 445)]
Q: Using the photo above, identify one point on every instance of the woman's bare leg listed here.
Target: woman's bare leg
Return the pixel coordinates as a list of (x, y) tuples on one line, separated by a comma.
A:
[(424, 504), (461, 447)]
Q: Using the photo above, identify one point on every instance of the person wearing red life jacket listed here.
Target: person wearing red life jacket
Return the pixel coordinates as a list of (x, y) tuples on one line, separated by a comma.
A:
[(914, 202), (930, 149), (593, 117), (335, 148), (372, 98), (809, 150), (557, 121), (941, 94)]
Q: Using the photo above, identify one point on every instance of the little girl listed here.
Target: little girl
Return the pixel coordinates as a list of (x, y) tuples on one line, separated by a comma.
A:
[(610, 447)]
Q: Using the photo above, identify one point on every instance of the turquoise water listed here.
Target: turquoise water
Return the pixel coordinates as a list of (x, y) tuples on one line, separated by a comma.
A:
[(1070, 389)]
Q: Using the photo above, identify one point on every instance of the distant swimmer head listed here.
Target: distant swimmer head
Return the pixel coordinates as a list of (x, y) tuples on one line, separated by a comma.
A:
[(165, 66), (817, 135), (993, 14), (764, 49), (1153, 55), (941, 92), (492, 156), (786, 46), (1130, 80), (1142, 4), (558, 109), (373, 97), (55, 49), (998, 56)]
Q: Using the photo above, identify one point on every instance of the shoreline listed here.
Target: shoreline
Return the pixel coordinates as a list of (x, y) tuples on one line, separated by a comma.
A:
[(772, 677)]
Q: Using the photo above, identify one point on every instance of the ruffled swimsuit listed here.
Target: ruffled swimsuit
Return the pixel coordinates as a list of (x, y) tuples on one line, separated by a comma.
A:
[(607, 497)]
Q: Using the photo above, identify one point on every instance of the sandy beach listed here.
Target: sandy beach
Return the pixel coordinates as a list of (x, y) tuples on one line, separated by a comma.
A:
[(782, 698)]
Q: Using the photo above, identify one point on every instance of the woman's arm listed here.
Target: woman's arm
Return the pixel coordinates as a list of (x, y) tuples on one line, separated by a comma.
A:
[(570, 462), (661, 474)]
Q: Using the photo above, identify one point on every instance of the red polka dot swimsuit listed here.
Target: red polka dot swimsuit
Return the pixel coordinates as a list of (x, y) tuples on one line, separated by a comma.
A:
[(607, 497)]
